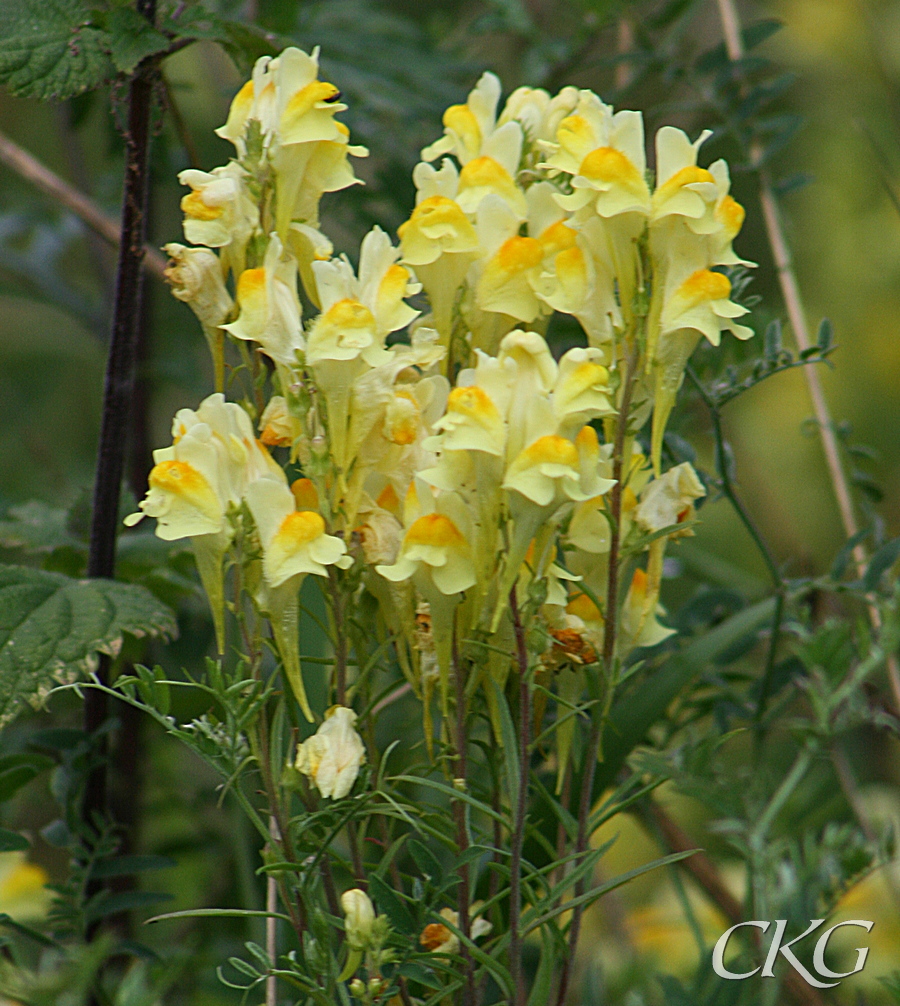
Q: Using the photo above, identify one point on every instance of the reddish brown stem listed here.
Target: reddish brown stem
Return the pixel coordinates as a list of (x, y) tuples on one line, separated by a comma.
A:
[(611, 615), (520, 994)]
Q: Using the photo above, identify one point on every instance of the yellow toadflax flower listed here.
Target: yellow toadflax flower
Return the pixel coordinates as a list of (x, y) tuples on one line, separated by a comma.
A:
[(439, 939), (332, 757), (269, 307), (294, 543), (195, 277), (219, 211), (307, 146), (194, 483), (439, 240), (603, 152), (669, 500), (435, 546), (698, 306), (467, 127)]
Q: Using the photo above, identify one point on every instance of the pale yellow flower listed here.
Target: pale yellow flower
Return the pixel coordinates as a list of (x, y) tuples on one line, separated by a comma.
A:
[(269, 306), (439, 241), (639, 625), (701, 303), (466, 127), (218, 211), (213, 458), (435, 545), (277, 427), (357, 314), (538, 114), (332, 757), (682, 188), (603, 152), (438, 938), (287, 99), (294, 542), (24, 894), (669, 500), (511, 265), (194, 276)]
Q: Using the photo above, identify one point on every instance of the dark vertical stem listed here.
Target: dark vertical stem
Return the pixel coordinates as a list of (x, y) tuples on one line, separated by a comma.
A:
[(460, 770), (518, 835), (611, 615), (119, 381)]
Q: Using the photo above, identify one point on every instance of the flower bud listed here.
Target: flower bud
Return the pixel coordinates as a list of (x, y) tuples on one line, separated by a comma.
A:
[(195, 276), (359, 917)]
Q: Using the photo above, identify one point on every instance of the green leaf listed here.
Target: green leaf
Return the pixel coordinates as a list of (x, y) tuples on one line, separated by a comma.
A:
[(14, 777), (636, 710), (389, 902), (125, 866), (772, 339), (49, 49), (880, 563), (36, 527), (429, 865), (132, 38), (510, 745), (52, 628), (12, 841), (842, 560), (127, 901), (218, 913), (825, 336)]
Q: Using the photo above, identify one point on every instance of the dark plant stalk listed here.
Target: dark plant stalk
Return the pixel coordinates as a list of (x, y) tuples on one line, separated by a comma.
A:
[(460, 769), (119, 383), (730, 493), (518, 836), (595, 738)]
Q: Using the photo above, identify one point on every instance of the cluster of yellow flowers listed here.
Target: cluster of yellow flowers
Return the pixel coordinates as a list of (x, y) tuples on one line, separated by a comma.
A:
[(457, 473)]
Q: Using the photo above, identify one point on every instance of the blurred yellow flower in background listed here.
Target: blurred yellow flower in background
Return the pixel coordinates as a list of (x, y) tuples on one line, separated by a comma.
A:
[(23, 892)]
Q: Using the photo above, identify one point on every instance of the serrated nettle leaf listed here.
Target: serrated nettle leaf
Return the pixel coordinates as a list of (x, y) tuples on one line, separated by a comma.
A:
[(52, 629), (49, 49), (132, 38)]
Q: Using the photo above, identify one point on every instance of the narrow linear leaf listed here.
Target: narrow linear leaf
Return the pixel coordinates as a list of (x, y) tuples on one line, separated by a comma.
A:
[(218, 913)]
